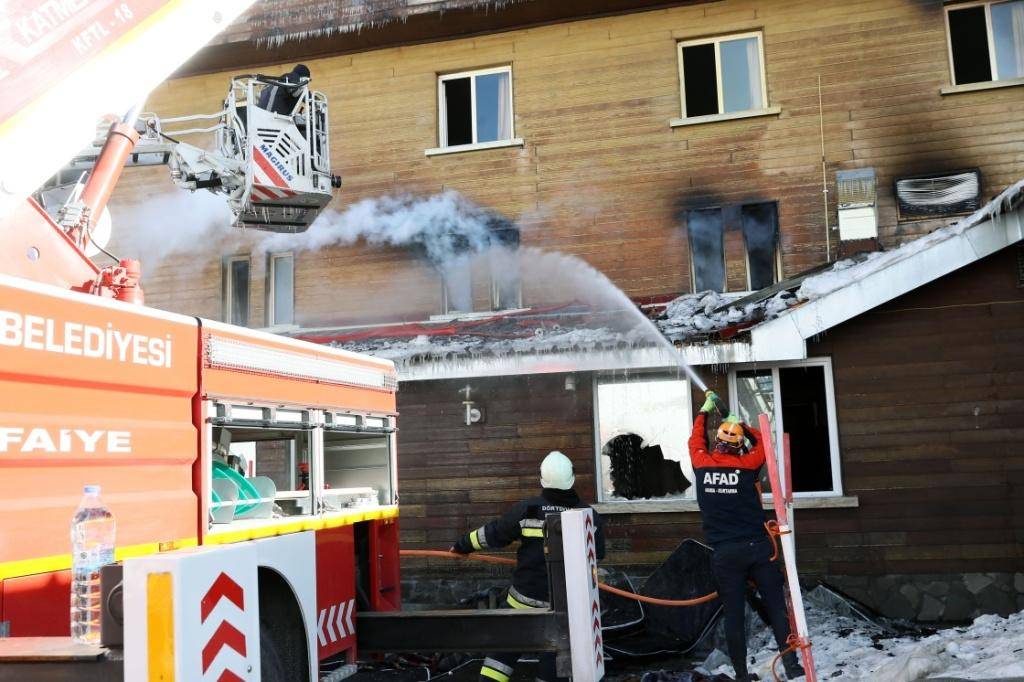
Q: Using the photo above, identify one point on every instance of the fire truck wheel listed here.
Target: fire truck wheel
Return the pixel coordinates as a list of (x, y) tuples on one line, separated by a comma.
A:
[(271, 667)]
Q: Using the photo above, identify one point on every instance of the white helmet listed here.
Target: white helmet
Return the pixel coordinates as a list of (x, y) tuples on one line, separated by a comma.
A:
[(556, 471)]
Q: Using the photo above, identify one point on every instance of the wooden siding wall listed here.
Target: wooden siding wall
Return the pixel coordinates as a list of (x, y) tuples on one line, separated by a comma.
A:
[(930, 400), (602, 175)]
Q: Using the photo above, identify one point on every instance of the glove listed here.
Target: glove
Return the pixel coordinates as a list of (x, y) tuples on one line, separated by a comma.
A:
[(709, 404), (454, 549), (732, 419)]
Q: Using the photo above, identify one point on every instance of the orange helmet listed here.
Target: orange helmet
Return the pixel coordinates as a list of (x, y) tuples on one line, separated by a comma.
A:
[(730, 433)]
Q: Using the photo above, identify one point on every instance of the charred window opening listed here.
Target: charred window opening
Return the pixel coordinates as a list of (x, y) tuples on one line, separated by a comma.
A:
[(458, 105), (506, 284), (642, 430), (1020, 266), (802, 393), (986, 41), (707, 248), (476, 107), (760, 223), (640, 471), (938, 195), (235, 295)]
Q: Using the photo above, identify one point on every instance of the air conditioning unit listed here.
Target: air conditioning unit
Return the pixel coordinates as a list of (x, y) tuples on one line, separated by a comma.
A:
[(858, 204), (938, 195)]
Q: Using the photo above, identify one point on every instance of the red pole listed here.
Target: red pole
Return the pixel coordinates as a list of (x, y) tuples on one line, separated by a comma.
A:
[(796, 600)]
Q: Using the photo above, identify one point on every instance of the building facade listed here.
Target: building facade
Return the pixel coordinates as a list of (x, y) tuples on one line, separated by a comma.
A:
[(675, 147)]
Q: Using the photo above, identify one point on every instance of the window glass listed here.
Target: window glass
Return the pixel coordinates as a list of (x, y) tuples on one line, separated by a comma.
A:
[(284, 289), (704, 227), (493, 107), (643, 429), (259, 473), (700, 82), (741, 74), (760, 234), (755, 395), (968, 38), (1008, 36), (238, 292), (458, 111), (356, 469)]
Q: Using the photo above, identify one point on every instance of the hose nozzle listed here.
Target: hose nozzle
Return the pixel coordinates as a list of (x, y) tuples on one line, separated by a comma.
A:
[(720, 405)]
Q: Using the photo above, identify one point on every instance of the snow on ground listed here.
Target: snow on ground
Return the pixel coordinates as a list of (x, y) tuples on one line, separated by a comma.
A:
[(848, 647)]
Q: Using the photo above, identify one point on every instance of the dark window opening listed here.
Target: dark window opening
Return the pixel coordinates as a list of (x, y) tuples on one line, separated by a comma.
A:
[(707, 248), (760, 223), (238, 292), (805, 419), (968, 39), (700, 82), (639, 471), (458, 112), (1020, 266)]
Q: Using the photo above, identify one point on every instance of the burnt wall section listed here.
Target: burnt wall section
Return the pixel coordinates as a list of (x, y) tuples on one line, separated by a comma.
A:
[(601, 174)]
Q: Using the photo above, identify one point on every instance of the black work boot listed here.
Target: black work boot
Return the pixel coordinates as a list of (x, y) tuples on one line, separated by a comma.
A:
[(792, 666), (747, 677)]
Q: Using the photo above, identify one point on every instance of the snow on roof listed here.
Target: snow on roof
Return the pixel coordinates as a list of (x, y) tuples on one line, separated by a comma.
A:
[(273, 22), (710, 328)]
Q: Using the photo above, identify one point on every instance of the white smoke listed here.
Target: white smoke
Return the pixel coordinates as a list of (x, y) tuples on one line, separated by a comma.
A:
[(171, 224), (445, 225)]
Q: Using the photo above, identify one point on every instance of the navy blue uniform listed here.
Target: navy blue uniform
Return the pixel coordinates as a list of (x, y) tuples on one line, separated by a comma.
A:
[(733, 519), (529, 589)]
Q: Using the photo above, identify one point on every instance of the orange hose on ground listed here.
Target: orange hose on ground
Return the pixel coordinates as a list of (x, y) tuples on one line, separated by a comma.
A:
[(488, 559)]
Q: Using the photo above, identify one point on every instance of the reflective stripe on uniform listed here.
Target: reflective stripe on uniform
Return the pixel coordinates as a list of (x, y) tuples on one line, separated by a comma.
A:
[(478, 538), (533, 532), (518, 600), (495, 664), (497, 675)]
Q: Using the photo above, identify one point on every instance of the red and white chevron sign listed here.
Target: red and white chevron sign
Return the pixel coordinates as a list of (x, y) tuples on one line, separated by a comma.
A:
[(228, 630), (582, 596), (336, 622)]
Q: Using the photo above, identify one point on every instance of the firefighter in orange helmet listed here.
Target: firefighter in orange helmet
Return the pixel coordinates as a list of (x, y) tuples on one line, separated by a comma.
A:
[(733, 519)]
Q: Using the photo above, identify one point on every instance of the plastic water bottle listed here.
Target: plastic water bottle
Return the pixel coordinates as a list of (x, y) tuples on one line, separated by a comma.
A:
[(92, 542)]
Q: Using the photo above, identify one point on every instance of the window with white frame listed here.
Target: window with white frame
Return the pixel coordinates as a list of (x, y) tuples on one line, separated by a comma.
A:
[(235, 290), (722, 75), (986, 41), (799, 399), (475, 107), (280, 289), (642, 424)]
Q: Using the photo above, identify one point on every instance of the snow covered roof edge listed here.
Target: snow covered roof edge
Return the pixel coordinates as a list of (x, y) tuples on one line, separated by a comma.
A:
[(836, 298)]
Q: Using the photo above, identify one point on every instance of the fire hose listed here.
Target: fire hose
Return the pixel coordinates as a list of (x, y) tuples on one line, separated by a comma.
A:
[(489, 559)]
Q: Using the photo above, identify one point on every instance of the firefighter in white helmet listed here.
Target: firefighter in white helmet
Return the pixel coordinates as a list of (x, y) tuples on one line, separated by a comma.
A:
[(525, 523)]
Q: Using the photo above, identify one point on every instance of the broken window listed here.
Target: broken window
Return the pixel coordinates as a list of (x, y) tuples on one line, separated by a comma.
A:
[(475, 107), (804, 393), (235, 301), (938, 195), (457, 285), (722, 75), (642, 429), (707, 248), (760, 224), (280, 289), (986, 41)]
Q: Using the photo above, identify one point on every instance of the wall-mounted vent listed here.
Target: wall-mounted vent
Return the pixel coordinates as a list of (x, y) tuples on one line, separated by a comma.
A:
[(938, 195), (857, 196)]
